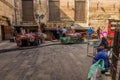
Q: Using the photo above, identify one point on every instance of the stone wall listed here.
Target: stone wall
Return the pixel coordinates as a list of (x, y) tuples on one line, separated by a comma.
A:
[(6, 13), (67, 12), (102, 10), (18, 5), (97, 12), (7, 8), (41, 7)]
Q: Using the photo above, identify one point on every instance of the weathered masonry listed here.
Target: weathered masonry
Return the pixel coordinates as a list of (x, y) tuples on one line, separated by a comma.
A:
[(27, 10), (67, 12), (56, 12), (6, 18), (102, 10)]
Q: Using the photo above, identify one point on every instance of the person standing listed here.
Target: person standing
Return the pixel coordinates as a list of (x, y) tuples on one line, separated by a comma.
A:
[(42, 27), (98, 32), (90, 31), (58, 32), (64, 31), (23, 32)]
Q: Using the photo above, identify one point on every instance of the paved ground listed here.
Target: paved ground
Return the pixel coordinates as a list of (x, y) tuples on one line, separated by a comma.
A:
[(12, 45), (7, 45), (58, 62)]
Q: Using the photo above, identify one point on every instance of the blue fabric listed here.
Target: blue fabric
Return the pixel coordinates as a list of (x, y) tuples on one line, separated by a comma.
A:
[(89, 36), (90, 31), (102, 55)]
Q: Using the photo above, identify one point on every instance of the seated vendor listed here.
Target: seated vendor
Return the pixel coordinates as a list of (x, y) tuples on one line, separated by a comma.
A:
[(101, 54)]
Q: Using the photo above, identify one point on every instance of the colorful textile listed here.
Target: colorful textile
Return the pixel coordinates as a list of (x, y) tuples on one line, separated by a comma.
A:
[(102, 55), (90, 31)]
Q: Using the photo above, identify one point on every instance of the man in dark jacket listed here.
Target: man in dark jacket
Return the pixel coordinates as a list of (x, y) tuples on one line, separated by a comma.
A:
[(104, 43)]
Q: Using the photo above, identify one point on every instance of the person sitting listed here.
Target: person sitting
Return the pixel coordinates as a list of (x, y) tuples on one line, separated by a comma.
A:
[(102, 54), (104, 43)]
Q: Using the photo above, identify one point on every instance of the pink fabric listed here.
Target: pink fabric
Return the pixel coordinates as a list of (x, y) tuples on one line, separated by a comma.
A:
[(104, 33)]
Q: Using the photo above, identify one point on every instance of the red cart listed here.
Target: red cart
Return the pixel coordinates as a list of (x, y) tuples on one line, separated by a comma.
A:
[(112, 24)]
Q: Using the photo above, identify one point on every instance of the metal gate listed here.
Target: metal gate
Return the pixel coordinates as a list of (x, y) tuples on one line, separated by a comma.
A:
[(115, 56)]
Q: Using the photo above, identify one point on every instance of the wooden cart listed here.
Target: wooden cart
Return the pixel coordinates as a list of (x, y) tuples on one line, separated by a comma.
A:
[(72, 38), (112, 24)]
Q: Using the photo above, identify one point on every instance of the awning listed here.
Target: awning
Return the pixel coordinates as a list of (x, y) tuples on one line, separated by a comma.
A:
[(80, 26), (25, 26)]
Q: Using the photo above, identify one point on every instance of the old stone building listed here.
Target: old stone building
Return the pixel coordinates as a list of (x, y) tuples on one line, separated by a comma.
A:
[(24, 12), (19, 10), (55, 12), (102, 10), (6, 18), (68, 12)]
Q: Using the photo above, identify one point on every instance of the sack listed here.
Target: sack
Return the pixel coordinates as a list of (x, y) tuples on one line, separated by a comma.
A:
[(97, 74), (100, 63)]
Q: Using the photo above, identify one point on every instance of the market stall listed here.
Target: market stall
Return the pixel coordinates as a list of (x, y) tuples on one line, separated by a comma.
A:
[(27, 36)]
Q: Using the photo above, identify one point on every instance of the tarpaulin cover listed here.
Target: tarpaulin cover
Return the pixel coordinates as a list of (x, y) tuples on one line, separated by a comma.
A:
[(66, 40)]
